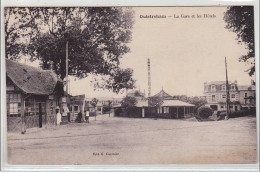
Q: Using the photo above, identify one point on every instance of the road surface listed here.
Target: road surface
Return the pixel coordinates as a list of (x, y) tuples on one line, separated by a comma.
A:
[(114, 140)]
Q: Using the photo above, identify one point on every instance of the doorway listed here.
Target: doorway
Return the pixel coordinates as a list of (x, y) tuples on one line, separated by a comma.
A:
[(40, 115)]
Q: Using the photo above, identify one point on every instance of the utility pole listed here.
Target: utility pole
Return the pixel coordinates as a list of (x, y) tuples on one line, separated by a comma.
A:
[(67, 67), (227, 93), (149, 78)]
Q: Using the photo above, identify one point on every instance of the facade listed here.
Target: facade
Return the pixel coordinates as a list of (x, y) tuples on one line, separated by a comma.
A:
[(241, 97), (76, 105), (32, 96)]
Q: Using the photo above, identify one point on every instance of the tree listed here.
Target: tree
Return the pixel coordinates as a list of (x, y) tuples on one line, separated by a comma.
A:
[(240, 19), (97, 39), (198, 102), (204, 112), (128, 103), (155, 102), (20, 26), (93, 103), (138, 94)]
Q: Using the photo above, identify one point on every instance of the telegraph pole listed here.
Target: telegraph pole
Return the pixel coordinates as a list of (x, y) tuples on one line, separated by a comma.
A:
[(227, 93), (149, 78), (67, 67)]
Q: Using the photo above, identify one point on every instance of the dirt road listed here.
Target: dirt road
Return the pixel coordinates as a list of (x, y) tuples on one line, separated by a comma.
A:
[(137, 141)]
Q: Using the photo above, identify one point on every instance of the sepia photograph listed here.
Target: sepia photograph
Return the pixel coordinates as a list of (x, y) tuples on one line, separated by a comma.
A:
[(130, 85)]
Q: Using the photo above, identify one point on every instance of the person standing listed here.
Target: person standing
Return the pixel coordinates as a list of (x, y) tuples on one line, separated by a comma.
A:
[(58, 116), (79, 117), (87, 117)]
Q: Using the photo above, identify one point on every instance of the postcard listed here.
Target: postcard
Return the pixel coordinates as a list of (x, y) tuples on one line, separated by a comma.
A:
[(130, 85)]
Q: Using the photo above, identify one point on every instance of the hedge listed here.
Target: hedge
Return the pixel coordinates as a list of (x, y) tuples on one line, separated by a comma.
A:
[(240, 113), (204, 112)]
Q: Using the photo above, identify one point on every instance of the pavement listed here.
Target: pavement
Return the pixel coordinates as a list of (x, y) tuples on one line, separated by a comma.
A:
[(115, 140)]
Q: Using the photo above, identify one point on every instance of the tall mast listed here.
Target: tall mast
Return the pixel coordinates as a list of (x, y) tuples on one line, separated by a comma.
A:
[(227, 92), (149, 78)]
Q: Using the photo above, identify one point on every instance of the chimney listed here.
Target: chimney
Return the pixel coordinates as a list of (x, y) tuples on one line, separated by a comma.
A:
[(252, 82)]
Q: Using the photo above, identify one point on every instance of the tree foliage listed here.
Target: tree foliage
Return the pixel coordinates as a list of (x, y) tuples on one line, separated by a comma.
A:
[(94, 102), (97, 39), (155, 102), (129, 102), (240, 19), (204, 112), (197, 101)]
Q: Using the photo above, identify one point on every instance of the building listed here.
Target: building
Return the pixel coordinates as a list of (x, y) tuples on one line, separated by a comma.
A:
[(169, 108), (32, 96), (241, 97), (172, 108), (76, 105), (102, 104)]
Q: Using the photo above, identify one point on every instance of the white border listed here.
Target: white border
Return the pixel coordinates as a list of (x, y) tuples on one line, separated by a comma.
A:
[(151, 168)]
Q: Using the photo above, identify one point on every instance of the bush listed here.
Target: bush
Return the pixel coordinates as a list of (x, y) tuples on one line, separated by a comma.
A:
[(204, 112), (240, 113)]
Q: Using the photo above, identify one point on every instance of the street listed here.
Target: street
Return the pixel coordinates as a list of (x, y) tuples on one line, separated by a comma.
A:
[(115, 140)]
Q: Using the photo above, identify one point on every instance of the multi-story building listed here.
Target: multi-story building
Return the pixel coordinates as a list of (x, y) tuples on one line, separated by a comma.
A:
[(241, 97)]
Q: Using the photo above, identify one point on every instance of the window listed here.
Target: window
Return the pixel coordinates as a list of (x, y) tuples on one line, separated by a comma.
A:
[(13, 104), (76, 108), (232, 87), (245, 94), (223, 96), (159, 110), (13, 108), (233, 96), (223, 87), (213, 97), (213, 88), (166, 109), (222, 107)]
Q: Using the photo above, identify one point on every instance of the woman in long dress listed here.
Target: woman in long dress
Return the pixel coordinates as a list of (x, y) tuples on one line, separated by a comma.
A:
[(58, 116)]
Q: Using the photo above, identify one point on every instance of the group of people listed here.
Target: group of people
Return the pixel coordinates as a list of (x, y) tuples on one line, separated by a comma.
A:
[(66, 113), (86, 115)]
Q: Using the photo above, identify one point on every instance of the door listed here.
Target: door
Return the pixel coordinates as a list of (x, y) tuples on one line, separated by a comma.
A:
[(40, 115), (235, 108)]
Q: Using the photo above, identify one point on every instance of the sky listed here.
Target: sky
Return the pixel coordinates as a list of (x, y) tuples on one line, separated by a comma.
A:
[(184, 52)]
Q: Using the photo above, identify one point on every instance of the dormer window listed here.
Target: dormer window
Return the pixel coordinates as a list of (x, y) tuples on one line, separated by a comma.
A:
[(213, 88), (233, 87)]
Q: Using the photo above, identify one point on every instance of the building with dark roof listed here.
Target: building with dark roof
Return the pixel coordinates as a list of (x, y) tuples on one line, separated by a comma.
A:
[(32, 95), (167, 108)]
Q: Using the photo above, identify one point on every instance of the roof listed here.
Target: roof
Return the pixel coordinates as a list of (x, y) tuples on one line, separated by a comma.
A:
[(245, 87), (220, 82), (103, 98), (175, 103), (30, 79), (162, 94), (144, 103)]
